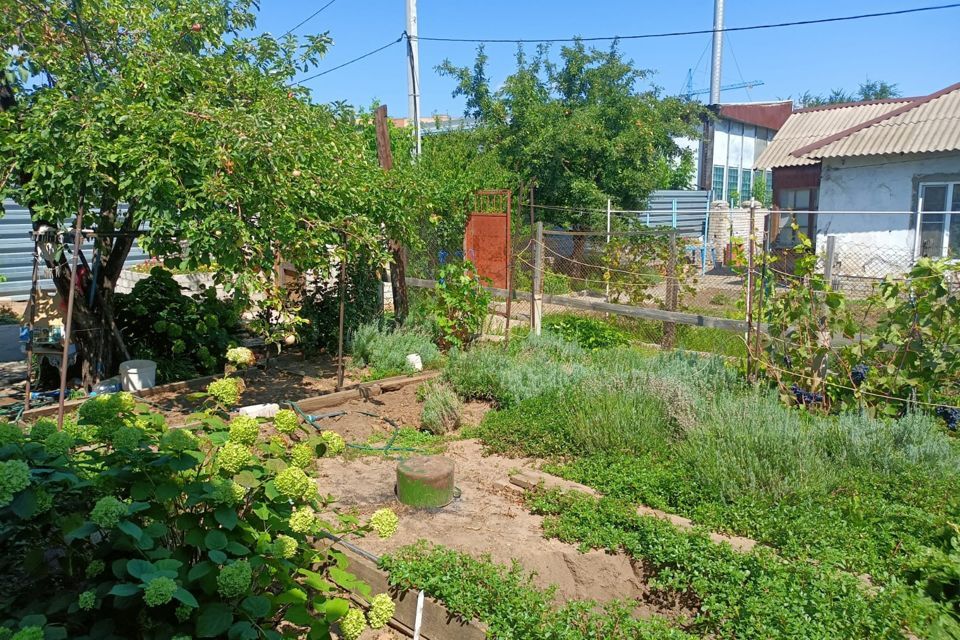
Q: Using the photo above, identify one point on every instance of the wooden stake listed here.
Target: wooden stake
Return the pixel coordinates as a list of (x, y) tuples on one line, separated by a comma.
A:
[(68, 322), (398, 269)]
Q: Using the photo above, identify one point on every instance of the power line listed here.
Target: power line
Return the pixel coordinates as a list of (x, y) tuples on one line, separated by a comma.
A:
[(309, 18), (671, 34), (349, 62)]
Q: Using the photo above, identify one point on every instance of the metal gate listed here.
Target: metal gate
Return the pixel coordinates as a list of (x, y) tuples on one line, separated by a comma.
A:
[(486, 242)]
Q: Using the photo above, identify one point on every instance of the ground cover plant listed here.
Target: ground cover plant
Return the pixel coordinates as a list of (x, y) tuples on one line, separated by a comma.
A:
[(118, 526), (384, 350), (851, 493), (508, 603)]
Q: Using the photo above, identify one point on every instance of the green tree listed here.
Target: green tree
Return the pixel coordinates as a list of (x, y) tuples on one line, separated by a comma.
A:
[(168, 107), (869, 90)]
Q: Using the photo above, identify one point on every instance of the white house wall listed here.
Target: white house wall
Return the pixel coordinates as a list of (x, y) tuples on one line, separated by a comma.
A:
[(882, 241)]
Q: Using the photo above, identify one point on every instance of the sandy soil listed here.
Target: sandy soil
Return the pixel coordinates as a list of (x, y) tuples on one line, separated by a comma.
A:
[(488, 518)]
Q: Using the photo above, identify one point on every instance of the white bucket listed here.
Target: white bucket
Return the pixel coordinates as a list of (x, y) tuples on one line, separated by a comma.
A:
[(136, 375), (415, 362)]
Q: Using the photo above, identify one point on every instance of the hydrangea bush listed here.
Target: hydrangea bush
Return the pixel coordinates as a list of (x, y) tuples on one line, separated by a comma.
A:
[(122, 527)]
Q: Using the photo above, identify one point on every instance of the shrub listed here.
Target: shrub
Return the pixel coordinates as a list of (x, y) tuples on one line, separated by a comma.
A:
[(588, 332), (163, 538), (458, 304), (441, 408), (187, 336), (385, 351)]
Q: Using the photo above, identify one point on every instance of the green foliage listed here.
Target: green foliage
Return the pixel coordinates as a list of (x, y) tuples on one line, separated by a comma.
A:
[(753, 595), (186, 336), (937, 572), (385, 351), (441, 408), (588, 332), (158, 540), (868, 90), (507, 600), (634, 265), (458, 304), (530, 367)]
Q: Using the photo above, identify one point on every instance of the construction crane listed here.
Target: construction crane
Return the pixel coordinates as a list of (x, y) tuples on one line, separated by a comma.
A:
[(690, 91)]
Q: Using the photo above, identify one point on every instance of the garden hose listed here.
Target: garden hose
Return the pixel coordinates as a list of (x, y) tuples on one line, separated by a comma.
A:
[(386, 448)]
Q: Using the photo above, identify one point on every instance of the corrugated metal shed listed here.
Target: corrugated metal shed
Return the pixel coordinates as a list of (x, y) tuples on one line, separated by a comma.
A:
[(16, 253), (926, 126), (808, 126)]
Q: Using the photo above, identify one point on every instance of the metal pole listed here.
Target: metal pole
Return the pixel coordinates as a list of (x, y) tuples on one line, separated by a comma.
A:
[(763, 283), (829, 259), (917, 241), (413, 72), (536, 312), (68, 323), (715, 67), (509, 269), (343, 295), (607, 298), (751, 239), (34, 285)]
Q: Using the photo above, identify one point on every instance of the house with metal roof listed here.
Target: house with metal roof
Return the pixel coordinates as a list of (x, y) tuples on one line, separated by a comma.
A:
[(882, 174)]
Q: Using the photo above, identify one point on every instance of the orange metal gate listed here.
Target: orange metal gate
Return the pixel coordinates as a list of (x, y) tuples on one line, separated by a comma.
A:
[(486, 242)]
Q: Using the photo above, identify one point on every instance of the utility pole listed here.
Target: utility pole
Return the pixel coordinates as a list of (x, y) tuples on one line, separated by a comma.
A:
[(413, 70), (717, 52)]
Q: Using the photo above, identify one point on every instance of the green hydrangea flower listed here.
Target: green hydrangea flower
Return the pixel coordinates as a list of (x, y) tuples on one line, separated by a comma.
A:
[(87, 600), (352, 625), (234, 579), (303, 520), (14, 478), (44, 502), (181, 637), (226, 391), (94, 568), (5, 633), (179, 440), (58, 443), (244, 430), (29, 633), (42, 428), (285, 546), (303, 455), (335, 443), (293, 483), (286, 421), (381, 610), (126, 438), (10, 434), (183, 612), (241, 357), (232, 457), (227, 492), (159, 591), (384, 522), (108, 512)]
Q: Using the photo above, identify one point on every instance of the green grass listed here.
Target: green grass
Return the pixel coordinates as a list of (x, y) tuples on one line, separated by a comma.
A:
[(409, 441), (507, 601)]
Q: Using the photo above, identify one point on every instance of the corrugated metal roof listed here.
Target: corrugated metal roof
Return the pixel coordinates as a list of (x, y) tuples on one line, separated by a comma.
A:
[(933, 125), (808, 126)]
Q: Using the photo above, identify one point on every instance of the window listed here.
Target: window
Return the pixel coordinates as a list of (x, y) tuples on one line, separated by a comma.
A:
[(746, 186), (718, 182), (796, 206), (940, 219), (733, 185)]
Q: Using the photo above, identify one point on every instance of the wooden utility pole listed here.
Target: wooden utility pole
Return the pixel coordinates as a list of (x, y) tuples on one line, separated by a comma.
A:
[(398, 264)]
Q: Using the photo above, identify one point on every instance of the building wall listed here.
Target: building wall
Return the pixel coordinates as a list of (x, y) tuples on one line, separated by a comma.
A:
[(735, 146), (874, 199)]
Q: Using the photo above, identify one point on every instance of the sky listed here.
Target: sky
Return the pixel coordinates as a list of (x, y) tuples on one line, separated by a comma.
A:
[(918, 52)]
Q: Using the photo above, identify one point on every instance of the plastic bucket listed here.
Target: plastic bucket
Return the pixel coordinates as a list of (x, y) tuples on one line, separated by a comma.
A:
[(136, 375)]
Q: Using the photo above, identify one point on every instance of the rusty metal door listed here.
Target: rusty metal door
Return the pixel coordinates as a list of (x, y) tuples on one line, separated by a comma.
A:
[(486, 242)]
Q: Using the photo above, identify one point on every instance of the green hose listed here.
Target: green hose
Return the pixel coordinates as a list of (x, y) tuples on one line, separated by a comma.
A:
[(386, 448)]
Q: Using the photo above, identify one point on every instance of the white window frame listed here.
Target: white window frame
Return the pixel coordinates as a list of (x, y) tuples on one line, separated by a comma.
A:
[(947, 214)]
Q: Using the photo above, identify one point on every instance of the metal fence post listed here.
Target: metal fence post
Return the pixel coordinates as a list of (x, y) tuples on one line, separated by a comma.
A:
[(672, 293), (751, 241), (830, 259), (536, 310), (607, 297)]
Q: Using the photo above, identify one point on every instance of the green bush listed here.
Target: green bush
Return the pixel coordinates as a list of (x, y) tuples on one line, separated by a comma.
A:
[(123, 528), (509, 603), (441, 408), (588, 332), (186, 336), (385, 350), (458, 304)]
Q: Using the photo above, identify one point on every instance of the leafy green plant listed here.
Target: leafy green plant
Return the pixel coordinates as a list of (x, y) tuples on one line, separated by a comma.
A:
[(509, 603), (588, 332), (119, 526), (458, 304), (441, 408), (633, 265), (187, 336)]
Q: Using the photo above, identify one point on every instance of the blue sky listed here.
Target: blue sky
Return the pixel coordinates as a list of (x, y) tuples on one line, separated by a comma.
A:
[(919, 52)]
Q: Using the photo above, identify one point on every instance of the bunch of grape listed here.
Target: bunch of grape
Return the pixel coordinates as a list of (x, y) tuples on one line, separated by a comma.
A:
[(950, 415), (859, 373), (805, 397)]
